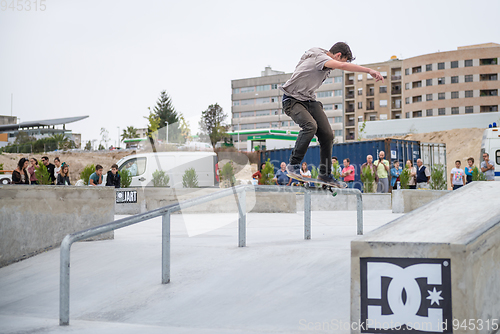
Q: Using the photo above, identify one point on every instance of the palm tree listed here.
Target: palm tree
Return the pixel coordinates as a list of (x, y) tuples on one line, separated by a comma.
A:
[(129, 133)]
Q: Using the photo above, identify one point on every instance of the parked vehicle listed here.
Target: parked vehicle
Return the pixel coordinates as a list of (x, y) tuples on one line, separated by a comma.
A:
[(491, 145), (142, 166)]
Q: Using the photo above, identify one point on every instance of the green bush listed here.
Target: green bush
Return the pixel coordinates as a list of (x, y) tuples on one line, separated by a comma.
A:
[(335, 172), (227, 173), (1, 168), (42, 175), (368, 179), (160, 178), (438, 177), (404, 178), (190, 179), (86, 172), (477, 175), (125, 178), (267, 173), (314, 173)]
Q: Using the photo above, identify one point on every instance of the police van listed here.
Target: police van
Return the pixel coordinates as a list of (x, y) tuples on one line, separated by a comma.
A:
[(491, 145), (142, 166)]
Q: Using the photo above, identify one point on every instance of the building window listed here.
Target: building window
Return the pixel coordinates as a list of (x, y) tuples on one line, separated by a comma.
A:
[(247, 126), (488, 108), (338, 92), (428, 112), (488, 92), (275, 124), (328, 107), (454, 95), (488, 61), (247, 89), (274, 86), (454, 110), (440, 66), (428, 82), (454, 79), (262, 125), (428, 67), (247, 102), (338, 133), (468, 63), (417, 114), (338, 119), (383, 74), (407, 100), (469, 109), (383, 89), (284, 123), (488, 77), (360, 91), (407, 85), (262, 112), (416, 69), (383, 103), (337, 79), (236, 103), (428, 97), (441, 96), (337, 106), (248, 114), (441, 111), (263, 88), (469, 78), (454, 64), (441, 81), (263, 100), (235, 127), (417, 84), (324, 94), (360, 77), (360, 105), (328, 81), (469, 93), (407, 115), (417, 99), (236, 91), (407, 71)]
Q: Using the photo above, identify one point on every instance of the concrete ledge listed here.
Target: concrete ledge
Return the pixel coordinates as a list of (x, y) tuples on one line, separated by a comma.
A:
[(406, 200), (36, 218), (326, 202), (444, 256), (151, 198)]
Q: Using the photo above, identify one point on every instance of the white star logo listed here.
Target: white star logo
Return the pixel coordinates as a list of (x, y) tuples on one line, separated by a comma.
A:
[(435, 296)]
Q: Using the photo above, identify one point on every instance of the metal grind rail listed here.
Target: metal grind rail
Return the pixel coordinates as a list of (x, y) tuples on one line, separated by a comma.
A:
[(239, 192)]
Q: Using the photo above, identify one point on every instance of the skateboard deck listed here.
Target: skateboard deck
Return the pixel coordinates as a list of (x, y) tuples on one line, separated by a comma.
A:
[(324, 185)]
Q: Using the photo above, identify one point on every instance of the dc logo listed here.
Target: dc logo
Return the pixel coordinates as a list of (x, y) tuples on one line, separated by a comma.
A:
[(401, 295)]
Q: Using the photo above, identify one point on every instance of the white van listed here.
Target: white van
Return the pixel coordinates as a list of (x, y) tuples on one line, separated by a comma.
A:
[(491, 145), (142, 167)]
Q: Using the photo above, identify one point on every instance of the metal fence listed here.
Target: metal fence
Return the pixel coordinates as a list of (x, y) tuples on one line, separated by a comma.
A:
[(240, 194)]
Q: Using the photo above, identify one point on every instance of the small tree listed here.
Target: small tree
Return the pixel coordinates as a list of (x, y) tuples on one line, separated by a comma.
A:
[(227, 174), (212, 124), (190, 179), (1, 168), (438, 178), (404, 178), (129, 133), (125, 178), (477, 175), (267, 173), (42, 175), (160, 178), (314, 173), (88, 146), (86, 172), (335, 172), (362, 130), (368, 179)]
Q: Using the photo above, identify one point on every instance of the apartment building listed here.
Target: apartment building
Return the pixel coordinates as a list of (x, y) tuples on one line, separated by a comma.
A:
[(256, 104), (463, 81)]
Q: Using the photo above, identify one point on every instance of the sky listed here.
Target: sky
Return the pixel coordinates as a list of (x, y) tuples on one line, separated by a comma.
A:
[(111, 59)]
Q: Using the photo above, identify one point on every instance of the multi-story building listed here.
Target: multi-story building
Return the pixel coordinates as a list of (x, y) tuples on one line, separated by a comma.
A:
[(463, 81), (256, 104)]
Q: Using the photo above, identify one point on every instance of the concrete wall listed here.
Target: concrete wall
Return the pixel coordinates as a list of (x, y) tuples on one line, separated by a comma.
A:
[(36, 218), (460, 233), (151, 198), (406, 200), (326, 202)]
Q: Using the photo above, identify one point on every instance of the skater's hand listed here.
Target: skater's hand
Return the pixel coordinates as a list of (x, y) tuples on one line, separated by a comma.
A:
[(376, 75)]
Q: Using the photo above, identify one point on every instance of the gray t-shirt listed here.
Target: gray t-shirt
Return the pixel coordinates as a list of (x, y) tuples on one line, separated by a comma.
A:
[(308, 75), (490, 173)]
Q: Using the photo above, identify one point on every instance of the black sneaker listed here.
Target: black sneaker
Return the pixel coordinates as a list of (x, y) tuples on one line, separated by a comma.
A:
[(332, 181), (293, 169)]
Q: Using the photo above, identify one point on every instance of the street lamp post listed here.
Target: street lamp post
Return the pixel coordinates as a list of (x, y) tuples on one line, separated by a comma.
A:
[(118, 142)]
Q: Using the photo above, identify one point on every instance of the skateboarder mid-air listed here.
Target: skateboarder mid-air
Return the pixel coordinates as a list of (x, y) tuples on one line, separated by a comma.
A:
[(299, 103)]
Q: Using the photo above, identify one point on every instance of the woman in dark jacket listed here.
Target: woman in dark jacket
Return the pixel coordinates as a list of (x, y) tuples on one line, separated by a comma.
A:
[(63, 176), (20, 175)]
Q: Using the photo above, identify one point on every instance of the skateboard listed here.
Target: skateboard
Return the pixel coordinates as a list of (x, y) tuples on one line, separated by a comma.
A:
[(324, 185)]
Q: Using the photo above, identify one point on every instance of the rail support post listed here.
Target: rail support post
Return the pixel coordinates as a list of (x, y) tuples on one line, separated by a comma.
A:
[(165, 248)]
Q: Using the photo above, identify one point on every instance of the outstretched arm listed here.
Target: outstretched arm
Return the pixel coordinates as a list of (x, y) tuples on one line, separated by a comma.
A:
[(335, 64)]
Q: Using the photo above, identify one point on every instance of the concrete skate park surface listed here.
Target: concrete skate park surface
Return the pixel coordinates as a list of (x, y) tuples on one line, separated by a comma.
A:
[(279, 283)]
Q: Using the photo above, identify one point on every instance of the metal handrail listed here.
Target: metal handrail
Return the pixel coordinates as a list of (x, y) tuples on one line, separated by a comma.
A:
[(239, 192)]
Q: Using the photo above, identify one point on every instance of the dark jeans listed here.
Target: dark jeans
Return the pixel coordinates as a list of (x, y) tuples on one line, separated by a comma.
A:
[(311, 118), (456, 186), (469, 178)]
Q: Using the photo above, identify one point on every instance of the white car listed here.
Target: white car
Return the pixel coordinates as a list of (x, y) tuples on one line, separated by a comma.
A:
[(5, 178)]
